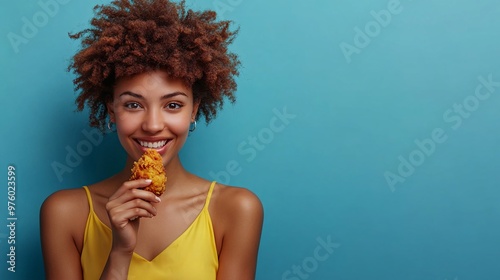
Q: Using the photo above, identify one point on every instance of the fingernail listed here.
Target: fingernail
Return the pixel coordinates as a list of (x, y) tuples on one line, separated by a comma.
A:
[(157, 199), (149, 180)]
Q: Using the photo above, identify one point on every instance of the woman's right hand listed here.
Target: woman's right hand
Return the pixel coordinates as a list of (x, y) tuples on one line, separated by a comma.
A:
[(125, 208)]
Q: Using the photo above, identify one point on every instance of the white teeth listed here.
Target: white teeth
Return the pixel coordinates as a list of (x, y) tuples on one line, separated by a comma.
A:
[(153, 145)]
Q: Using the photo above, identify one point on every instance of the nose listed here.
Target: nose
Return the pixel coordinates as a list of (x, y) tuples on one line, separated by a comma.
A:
[(153, 121)]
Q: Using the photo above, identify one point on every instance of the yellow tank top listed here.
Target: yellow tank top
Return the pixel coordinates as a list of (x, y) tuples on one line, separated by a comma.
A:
[(193, 255)]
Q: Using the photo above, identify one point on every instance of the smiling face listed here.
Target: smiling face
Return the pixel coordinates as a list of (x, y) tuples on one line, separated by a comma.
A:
[(152, 111)]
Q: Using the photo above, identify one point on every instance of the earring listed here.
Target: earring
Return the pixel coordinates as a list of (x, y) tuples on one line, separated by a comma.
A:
[(192, 126), (109, 125)]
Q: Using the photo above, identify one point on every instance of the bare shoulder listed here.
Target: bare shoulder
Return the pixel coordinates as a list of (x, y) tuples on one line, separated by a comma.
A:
[(238, 224), (237, 202), (65, 200), (65, 208), (63, 216)]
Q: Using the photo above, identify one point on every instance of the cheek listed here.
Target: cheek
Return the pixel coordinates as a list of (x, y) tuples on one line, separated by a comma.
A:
[(178, 124), (127, 122)]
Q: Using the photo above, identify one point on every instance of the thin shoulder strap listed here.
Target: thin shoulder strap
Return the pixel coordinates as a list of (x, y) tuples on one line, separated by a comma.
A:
[(209, 195), (89, 198)]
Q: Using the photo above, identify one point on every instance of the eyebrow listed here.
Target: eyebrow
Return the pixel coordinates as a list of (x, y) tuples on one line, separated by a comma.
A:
[(166, 96)]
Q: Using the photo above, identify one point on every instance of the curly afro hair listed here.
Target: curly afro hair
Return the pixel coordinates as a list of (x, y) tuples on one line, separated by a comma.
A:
[(129, 37)]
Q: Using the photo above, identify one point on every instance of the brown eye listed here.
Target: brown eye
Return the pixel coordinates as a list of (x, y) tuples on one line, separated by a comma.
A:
[(132, 105), (174, 106)]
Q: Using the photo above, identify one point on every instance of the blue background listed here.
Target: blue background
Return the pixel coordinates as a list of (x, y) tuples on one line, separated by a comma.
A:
[(352, 119)]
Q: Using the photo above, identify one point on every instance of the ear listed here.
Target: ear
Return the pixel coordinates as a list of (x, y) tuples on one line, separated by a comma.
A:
[(196, 105), (111, 111)]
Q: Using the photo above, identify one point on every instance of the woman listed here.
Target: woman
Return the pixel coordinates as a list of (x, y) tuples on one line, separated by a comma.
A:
[(151, 69)]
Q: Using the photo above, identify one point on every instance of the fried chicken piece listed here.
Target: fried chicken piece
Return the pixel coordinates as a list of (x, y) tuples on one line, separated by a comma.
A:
[(150, 166)]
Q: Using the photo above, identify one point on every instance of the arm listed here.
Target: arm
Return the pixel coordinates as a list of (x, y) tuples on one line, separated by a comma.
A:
[(63, 217), (60, 218), (125, 208), (242, 230)]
